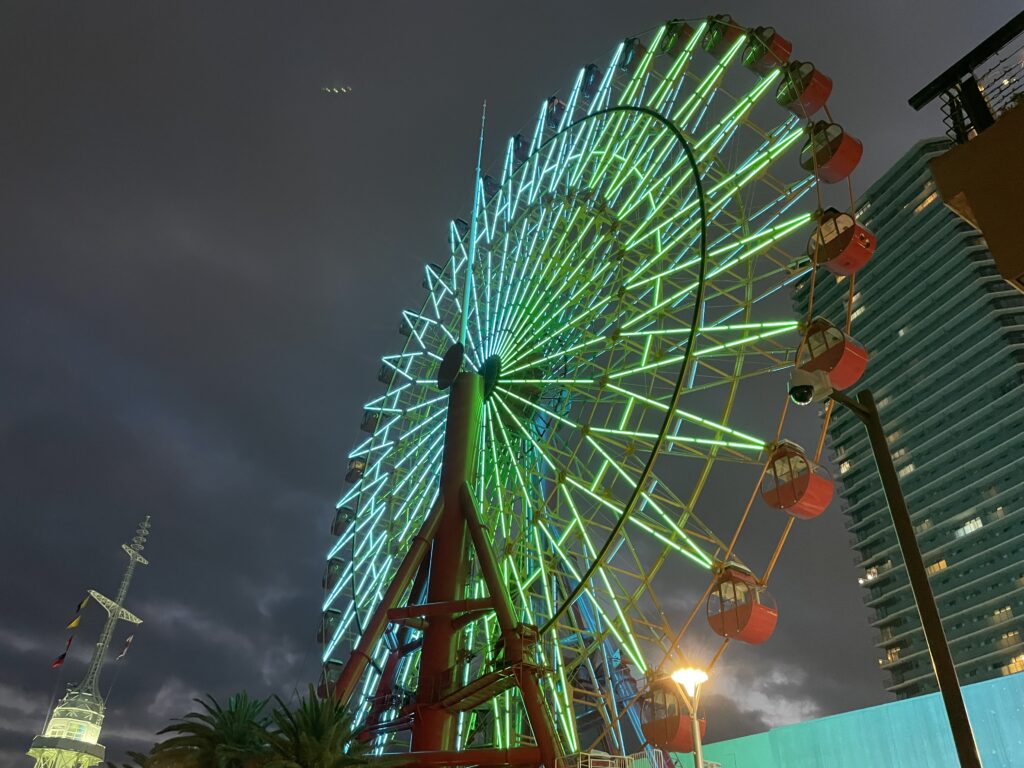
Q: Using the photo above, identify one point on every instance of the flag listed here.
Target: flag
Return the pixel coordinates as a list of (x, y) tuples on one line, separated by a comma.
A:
[(59, 661), (73, 624), (127, 642)]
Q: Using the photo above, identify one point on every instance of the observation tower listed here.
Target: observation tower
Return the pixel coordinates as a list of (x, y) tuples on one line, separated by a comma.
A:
[(71, 736)]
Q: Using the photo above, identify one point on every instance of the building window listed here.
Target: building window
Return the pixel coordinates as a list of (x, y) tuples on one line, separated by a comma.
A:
[(844, 467), (936, 567), (869, 575), (926, 202), (1010, 638), (902, 333), (894, 436), (904, 471), (1016, 665), (897, 455), (857, 313), (1002, 614), (884, 402), (970, 526), (924, 525)]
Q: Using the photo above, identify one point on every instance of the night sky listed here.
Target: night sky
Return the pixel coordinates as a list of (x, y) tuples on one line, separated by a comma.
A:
[(203, 258)]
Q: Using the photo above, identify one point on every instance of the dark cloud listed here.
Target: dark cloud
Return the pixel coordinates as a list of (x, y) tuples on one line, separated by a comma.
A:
[(203, 256)]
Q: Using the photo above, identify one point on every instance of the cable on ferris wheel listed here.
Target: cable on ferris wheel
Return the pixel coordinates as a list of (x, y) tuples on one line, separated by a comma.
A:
[(505, 582)]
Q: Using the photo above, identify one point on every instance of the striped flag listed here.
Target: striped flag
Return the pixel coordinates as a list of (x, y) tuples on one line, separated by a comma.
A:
[(127, 643), (59, 661)]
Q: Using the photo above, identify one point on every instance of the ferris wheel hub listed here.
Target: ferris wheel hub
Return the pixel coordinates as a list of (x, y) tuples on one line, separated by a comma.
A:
[(451, 365), (490, 370)]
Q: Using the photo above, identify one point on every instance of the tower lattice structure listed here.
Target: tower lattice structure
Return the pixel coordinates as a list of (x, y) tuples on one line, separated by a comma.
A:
[(70, 738)]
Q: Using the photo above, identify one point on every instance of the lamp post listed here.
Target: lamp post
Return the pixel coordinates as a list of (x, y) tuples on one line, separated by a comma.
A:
[(806, 387), (935, 638), (691, 679)]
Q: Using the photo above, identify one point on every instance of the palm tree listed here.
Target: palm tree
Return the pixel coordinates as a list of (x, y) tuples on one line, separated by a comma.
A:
[(316, 734), (218, 737)]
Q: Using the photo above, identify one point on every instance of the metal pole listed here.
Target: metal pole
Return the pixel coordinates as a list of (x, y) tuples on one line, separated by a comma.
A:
[(698, 753), (698, 747), (361, 655), (938, 649)]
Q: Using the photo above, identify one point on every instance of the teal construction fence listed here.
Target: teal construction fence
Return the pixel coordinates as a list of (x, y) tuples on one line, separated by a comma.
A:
[(913, 733)]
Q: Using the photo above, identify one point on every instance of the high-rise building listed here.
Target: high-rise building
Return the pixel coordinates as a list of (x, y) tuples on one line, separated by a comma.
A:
[(71, 736), (946, 338)]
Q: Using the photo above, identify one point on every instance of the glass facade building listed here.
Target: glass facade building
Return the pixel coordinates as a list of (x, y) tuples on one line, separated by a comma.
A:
[(946, 339)]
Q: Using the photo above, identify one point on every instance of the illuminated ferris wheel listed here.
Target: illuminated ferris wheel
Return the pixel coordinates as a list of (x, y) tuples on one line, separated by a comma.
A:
[(528, 497)]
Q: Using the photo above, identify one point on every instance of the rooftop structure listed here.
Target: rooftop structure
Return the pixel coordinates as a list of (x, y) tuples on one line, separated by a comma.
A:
[(979, 177)]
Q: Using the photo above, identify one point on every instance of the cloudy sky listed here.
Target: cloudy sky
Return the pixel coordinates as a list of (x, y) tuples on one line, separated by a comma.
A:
[(203, 257)]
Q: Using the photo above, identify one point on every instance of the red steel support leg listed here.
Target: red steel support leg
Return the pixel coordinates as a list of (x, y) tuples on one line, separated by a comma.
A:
[(540, 720), (517, 756), (357, 662), (386, 683), (434, 728)]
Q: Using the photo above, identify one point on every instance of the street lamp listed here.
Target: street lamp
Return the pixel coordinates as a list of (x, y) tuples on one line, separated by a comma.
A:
[(691, 678), (806, 387)]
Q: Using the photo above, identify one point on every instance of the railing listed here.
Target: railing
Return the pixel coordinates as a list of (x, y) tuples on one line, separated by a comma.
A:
[(982, 85), (594, 760)]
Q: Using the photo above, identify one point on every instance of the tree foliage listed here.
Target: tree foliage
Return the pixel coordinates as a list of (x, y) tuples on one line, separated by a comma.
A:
[(316, 733), (233, 736)]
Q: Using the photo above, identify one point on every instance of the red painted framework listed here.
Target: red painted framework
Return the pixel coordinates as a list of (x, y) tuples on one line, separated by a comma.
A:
[(442, 542)]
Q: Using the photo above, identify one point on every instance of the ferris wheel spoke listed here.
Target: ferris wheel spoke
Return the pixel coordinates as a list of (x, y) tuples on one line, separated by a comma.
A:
[(753, 249), (582, 319), (708, 86), (662, 98), (692, 418), (544, 284), (523, 308), (719, 194), (548, 460), (647, 500), (728, 254), (619, 627), (514, 283), (705, 147)]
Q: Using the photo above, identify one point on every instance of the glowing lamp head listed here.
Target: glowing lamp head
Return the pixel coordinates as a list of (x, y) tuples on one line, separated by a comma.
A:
[(690, 678)]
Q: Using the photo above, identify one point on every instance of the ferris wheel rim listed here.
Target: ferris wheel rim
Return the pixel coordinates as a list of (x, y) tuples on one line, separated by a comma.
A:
[(680, 379)]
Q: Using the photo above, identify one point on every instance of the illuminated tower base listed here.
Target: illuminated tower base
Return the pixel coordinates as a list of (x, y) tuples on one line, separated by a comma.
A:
[(72, 733)]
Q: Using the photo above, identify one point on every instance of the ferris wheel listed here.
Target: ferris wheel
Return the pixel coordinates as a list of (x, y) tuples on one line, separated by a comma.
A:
[(529, 493)]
